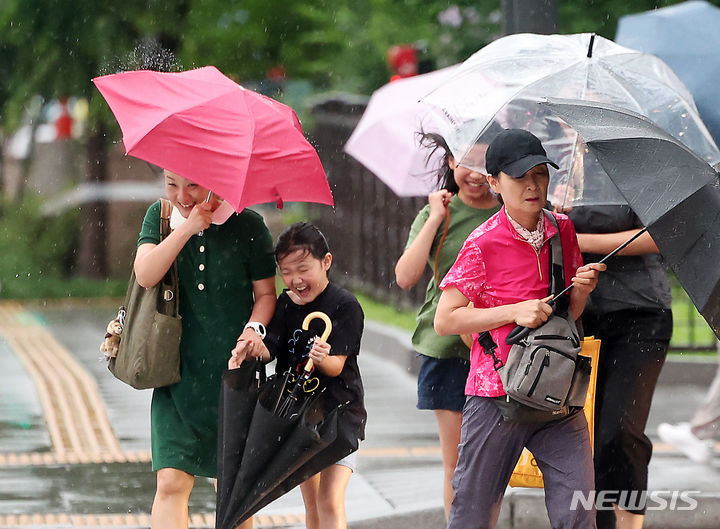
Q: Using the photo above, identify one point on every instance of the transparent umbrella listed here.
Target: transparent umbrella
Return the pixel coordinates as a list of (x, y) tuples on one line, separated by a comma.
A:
[(502, 83)]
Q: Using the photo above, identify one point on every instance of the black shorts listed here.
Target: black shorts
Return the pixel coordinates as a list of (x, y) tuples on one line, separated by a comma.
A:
[(441, 383)]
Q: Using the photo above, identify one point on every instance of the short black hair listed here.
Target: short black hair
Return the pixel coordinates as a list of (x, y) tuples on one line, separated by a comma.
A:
[(301, 236)]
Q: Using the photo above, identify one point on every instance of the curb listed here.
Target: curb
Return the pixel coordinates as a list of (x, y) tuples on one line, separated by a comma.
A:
[(525, 509)]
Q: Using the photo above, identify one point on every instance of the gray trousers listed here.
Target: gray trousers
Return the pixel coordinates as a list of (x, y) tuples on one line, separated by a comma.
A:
[(705, 424), (489, 449)]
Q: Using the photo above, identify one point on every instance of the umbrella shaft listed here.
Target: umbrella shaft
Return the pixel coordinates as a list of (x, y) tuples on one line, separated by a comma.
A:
[(608, 256), (623, 245)]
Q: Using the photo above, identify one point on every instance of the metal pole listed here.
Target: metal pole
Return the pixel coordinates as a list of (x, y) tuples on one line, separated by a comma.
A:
[(529, 16)]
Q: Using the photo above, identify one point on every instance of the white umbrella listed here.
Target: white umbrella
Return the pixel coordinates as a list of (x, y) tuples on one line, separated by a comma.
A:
[(385, 140), (503, 82)]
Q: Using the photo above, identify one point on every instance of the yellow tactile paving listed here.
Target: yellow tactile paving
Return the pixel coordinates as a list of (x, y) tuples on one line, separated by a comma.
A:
[(199, 521), (9, 459), (77, 422)]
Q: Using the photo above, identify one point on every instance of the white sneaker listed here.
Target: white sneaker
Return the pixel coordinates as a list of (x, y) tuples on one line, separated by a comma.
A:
[(681, 437)]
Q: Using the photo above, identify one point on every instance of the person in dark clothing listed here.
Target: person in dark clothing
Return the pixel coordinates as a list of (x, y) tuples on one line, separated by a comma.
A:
[(304, 260), (629, 312)]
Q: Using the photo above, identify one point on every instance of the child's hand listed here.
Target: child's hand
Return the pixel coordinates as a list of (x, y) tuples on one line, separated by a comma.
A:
[(586, 277), (320, 351), (439, 201)]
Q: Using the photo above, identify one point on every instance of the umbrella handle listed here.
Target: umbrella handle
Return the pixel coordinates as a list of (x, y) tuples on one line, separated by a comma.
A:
[(325, 335)]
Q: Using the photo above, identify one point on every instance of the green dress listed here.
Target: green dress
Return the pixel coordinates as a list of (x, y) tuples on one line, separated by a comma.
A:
[(216, 270)]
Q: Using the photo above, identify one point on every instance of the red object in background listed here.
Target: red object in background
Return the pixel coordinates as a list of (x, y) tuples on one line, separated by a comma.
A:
[(276, 73), (64, 122), (403, 61)]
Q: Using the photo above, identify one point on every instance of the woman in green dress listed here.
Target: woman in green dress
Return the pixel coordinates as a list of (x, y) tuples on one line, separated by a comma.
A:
[(227, 295)]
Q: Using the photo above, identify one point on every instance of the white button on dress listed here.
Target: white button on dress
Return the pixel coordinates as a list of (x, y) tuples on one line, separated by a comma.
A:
[(201, 286)]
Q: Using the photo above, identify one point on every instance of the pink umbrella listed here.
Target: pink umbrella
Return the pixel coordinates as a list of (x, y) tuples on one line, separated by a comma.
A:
[(245, 147), (385, 139)]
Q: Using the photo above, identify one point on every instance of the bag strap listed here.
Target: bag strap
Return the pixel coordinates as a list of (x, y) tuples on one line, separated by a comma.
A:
[(557, 277), (169, 290), (440, 245), (165, 211), (557, 270)]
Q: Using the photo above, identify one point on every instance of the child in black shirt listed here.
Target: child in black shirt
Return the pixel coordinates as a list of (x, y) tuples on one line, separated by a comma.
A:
[(304, 259)]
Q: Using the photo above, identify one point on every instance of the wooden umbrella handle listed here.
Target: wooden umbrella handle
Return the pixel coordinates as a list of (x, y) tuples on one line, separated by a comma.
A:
[(325, 335)]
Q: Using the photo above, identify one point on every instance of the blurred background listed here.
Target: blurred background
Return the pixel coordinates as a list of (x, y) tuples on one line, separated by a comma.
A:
[(71, 202)]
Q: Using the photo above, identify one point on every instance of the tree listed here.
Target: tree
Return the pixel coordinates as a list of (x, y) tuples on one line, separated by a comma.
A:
[(53, 49)]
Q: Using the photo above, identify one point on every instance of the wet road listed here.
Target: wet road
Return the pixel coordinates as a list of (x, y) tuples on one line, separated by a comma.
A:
[(75, 441)]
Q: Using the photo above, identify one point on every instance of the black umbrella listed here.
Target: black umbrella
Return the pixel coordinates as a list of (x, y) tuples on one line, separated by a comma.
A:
[(673, 191), (240, 388), (273, 453)]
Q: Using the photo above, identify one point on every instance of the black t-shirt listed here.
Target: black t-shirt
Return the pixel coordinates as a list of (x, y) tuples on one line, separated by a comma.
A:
[(289, 343)]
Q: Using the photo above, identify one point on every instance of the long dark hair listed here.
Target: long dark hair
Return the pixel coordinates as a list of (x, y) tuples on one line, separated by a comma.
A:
[(301, 236), (445, 177)]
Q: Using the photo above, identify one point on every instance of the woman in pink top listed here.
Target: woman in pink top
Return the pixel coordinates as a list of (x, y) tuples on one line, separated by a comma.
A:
[(503, 269)]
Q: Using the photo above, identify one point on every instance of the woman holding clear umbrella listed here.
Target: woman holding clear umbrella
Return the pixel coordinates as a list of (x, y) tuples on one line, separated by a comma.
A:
[(629, 312), (463, 203)]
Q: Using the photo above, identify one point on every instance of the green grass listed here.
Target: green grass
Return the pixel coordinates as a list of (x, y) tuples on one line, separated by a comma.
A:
[(53, 288), (690, 330), (387, 314)]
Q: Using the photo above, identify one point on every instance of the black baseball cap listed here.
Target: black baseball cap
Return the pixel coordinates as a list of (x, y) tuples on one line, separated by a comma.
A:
[(515, 152)]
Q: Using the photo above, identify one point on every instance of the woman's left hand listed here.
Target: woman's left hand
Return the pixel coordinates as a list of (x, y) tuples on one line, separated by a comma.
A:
[(320, 351), (586, 277)]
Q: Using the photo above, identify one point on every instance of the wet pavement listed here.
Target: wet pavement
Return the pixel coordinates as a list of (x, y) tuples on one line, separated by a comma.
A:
[(59, 466)]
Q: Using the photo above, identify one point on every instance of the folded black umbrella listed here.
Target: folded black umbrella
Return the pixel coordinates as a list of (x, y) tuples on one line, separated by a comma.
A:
[(240, 388), (276, 453), (674, 192)]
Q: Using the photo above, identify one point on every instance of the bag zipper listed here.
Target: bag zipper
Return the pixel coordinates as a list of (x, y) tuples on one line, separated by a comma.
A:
[(572, 339), (562, 353), (532, 358), (545, 363)]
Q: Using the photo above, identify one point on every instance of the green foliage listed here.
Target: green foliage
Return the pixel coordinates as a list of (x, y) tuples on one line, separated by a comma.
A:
[(54, 48), (245, 41), (371, 27), (34, 249), (602, 16)]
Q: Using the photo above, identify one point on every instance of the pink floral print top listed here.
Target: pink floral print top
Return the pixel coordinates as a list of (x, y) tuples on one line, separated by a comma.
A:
[(496, 266)]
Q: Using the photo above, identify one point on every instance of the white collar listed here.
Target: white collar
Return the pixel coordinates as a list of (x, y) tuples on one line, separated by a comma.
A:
[(220, 215)]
